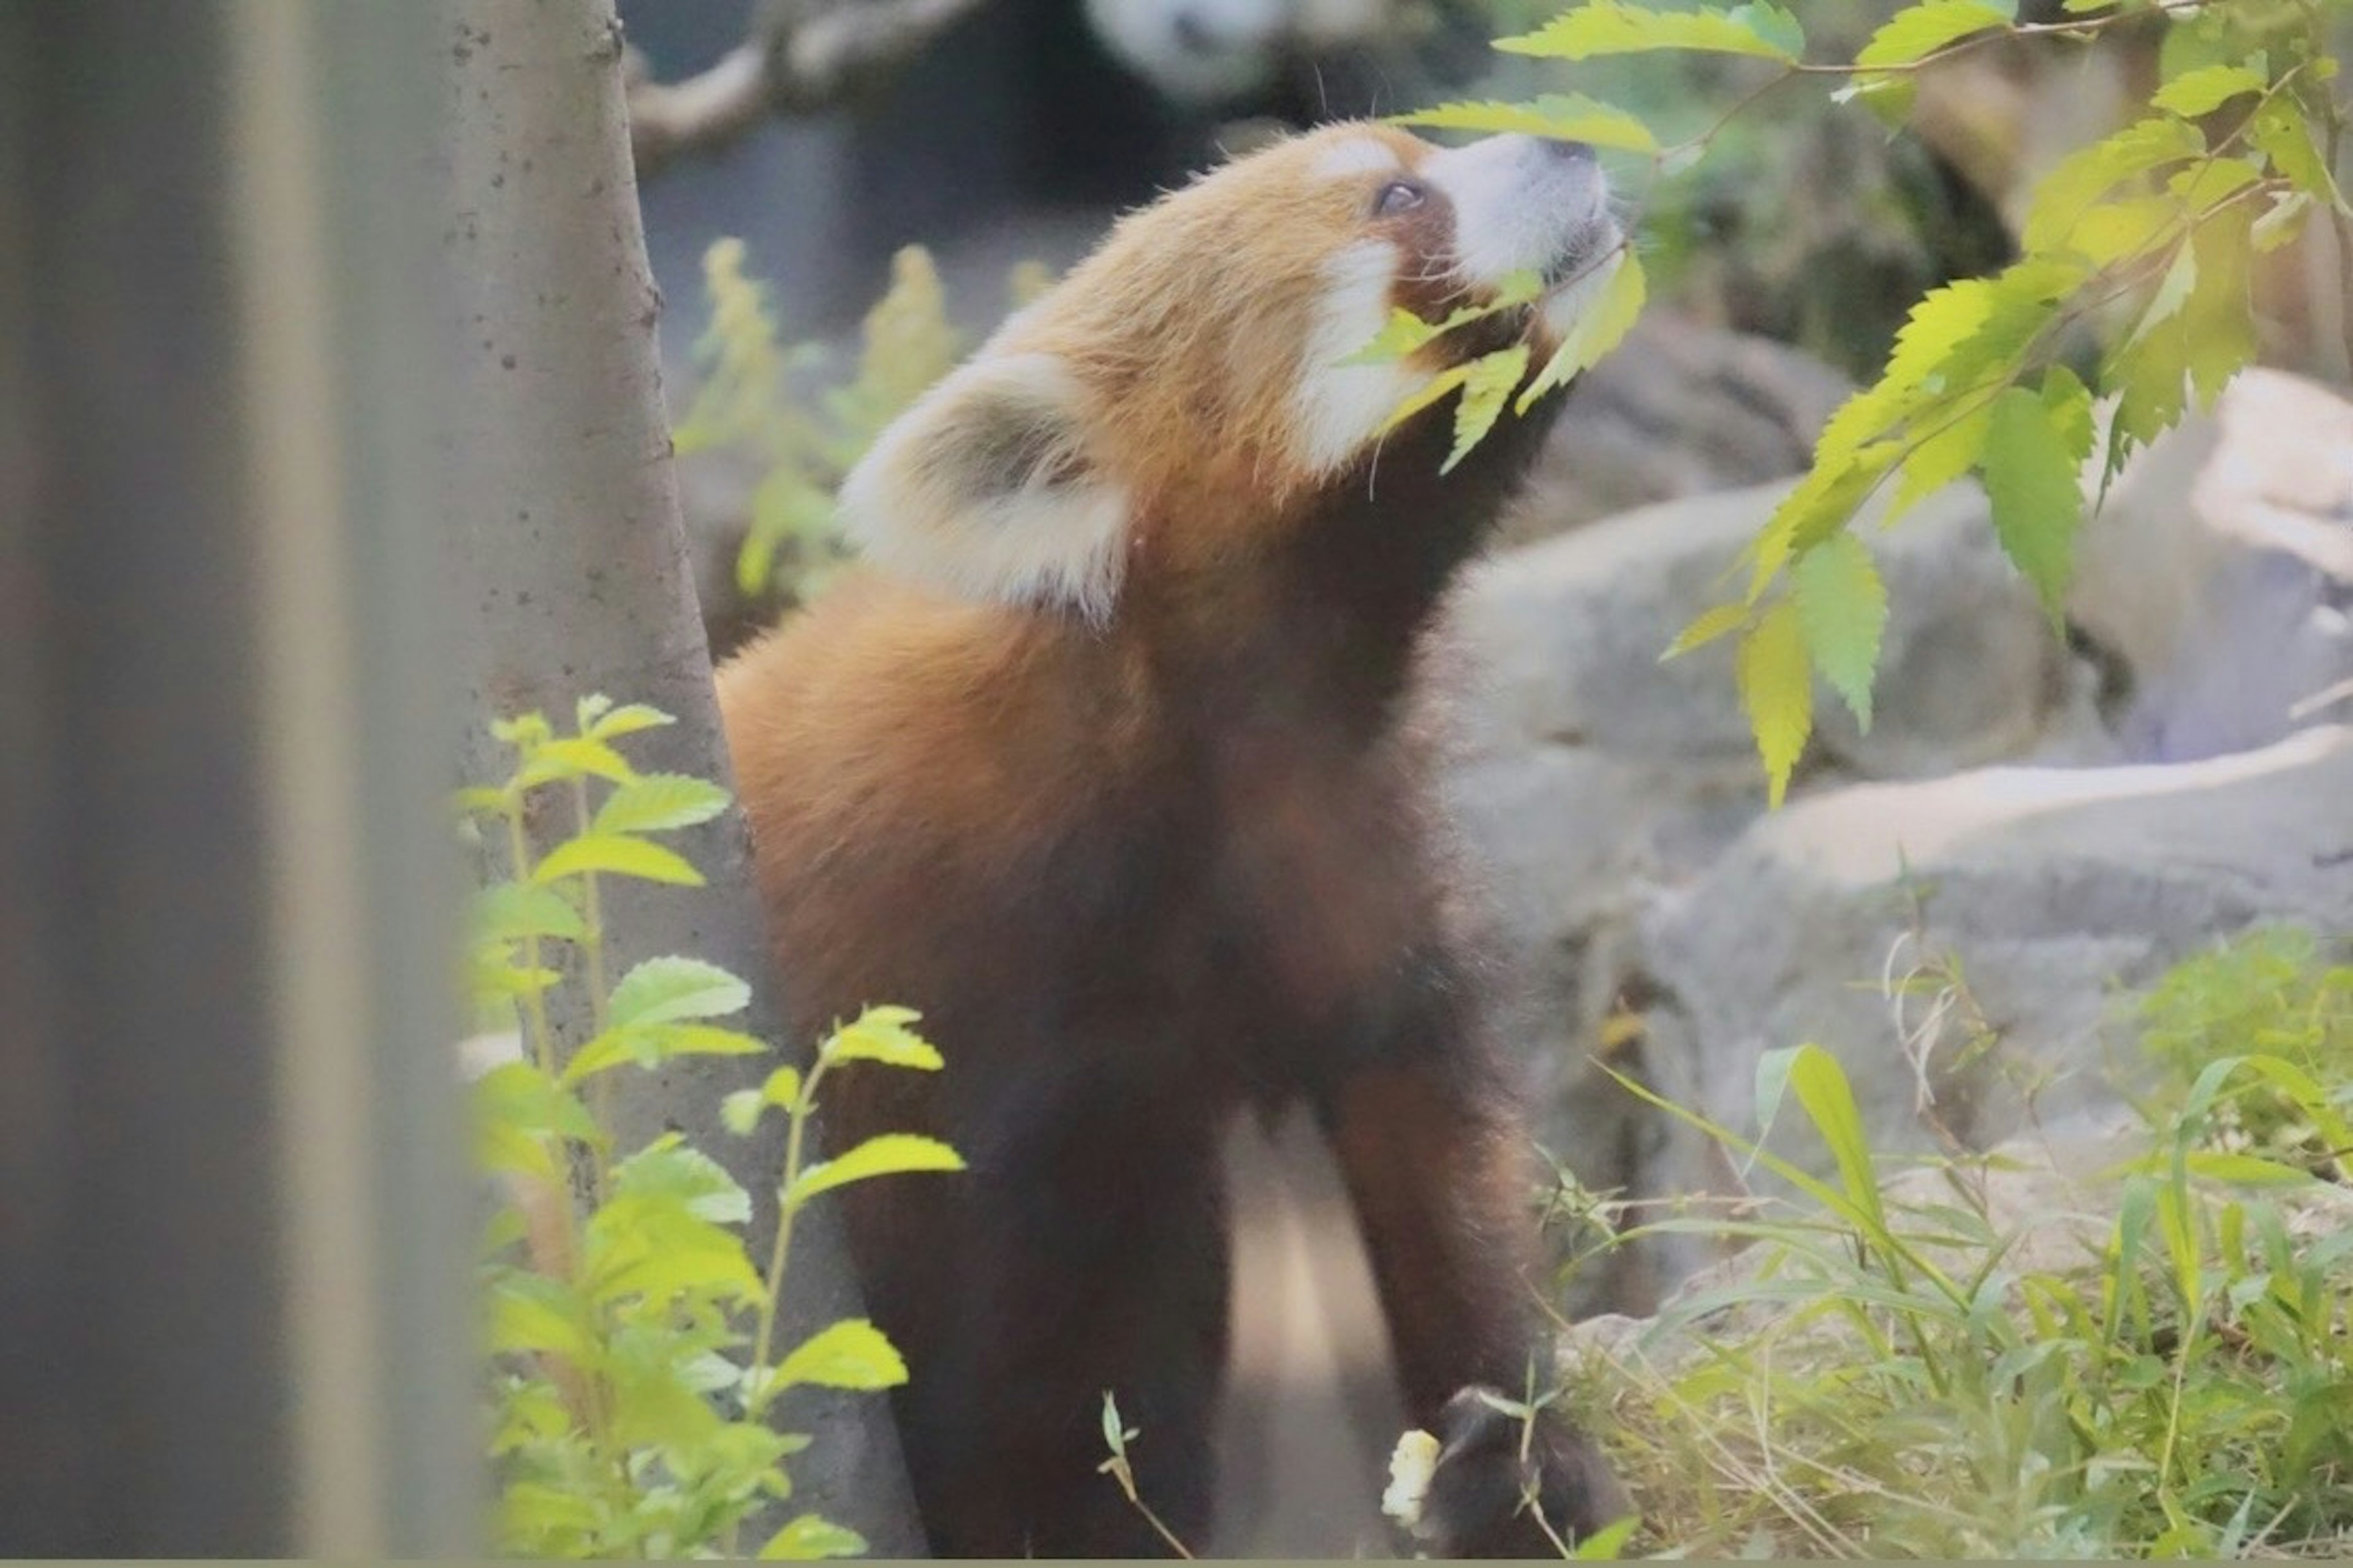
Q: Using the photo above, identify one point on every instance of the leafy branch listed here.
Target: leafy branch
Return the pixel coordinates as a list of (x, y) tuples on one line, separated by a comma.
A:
[(2144, 241)]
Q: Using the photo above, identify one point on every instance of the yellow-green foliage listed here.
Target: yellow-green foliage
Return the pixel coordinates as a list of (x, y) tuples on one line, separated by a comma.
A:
[(1912, 1370), (630, 1332), (2144, 239), (752, 397)]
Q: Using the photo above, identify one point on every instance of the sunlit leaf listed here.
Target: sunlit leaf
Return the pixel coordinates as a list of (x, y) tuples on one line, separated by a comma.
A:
[(2031, 477), (1485, 390), (880, 1034), (887, 1154), (654, 803), (1776, 692), (618, 853), (1569, 117), (853, 1353), (1612, 27), (809, 1538)]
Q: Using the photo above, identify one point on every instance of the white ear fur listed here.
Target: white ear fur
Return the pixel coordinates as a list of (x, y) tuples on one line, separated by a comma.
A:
[(984, 488)]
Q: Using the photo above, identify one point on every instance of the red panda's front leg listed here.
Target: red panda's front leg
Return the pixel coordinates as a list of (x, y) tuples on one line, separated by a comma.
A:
[(1434, 1165)]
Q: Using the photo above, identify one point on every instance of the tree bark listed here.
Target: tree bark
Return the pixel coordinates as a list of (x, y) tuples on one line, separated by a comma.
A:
[(569, 543)]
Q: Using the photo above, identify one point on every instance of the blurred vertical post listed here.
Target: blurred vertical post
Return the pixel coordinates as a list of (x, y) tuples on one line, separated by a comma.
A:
[(565, 516), (233, 1310)]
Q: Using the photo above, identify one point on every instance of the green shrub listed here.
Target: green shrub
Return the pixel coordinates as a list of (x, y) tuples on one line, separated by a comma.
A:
[(631, 1333)]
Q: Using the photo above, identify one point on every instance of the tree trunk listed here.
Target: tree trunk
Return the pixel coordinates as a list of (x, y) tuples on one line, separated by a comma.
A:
[(569, 541)]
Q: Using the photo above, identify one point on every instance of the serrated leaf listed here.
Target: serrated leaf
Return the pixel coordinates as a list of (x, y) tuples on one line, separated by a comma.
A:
[(650, 1045), (618, 853), (2031, 477), (627, 720), (1429, 393), (1819, 505), (1705, 628), (887, 1154), (671, 987), (1776, 692), (2084, 177), (672, 1169), (1612, 27), (2217, 323), (1403, 333), (1842, 608), (657, 803), (1491, 379), (1936, 459), (2287, 139), (809, 1538), (2204, 91), (2171, 293), (1570, 117), (882, 1035), (508, 911), (1916, 32), (853, 1353), (573, 757), (1613, 294)]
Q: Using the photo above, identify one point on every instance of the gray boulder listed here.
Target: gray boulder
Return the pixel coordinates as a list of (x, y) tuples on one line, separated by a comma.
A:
[(2016, 900)]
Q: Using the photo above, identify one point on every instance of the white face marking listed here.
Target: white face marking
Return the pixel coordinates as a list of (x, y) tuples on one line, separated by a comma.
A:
[(1355, 156), (1342, 406), (981, 488), (1520, 203)]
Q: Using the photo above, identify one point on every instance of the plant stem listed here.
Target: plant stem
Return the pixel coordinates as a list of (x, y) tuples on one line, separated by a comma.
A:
[(592, 953)]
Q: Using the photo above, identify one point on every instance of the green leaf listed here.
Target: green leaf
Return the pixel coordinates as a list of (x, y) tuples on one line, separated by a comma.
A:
[(879, 1035), (2204, 91), (1485, 392), (508, 911), (666, 989), (529, 1311), (1705, 628), (809, 1537), (672, 1169), (1606, 1544), (1403, 333), (574, 757), (2171, 293), (2031, 479), (1570, 117), (2081, 177), (1842, 609), (1817, 507), (1436, 387), (2217, 323), (2287, 139), (518, 1095), (627, 720), (853, 1353), (1612, 27), (1822, 1088), (887, 1154), (1777, 690), (1614, 293), (1916, 32), (618, 853), (1936, 459), (656, 803), (739, 1112), (650, 1045)]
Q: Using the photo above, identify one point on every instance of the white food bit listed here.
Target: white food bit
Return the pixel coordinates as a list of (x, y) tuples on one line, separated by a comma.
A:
[(1412, 1464)]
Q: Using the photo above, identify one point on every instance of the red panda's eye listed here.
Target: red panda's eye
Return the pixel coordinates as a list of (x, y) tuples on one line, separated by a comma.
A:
[(1397, 196)]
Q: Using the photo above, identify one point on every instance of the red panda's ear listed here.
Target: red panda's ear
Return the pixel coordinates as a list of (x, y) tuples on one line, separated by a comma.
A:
[(985, 487)]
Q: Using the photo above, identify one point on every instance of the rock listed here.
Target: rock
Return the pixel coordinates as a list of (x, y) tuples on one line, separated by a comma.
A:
[(2219, 575), (2043, 889), (1589, 773), (1680, 409)]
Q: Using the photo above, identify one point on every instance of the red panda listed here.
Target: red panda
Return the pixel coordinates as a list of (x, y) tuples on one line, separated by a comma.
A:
[(1104, 768)]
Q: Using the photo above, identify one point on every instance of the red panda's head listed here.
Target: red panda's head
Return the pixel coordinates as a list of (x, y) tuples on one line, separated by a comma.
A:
[(1181, 395)]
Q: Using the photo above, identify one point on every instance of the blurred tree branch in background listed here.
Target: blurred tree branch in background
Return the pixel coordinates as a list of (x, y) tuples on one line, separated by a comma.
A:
[(798, 57)]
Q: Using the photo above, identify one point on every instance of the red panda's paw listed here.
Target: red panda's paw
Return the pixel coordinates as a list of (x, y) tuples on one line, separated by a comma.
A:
[(1477, 1503)]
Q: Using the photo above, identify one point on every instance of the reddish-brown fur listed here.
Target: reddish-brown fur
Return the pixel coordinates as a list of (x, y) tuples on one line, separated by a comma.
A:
[(1138, 875)]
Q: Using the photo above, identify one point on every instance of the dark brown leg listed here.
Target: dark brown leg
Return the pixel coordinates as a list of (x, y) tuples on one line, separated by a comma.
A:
[(1436, 1168)]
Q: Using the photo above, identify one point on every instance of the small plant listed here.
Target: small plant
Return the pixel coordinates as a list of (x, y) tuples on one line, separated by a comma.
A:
[(1905, 1368), (634, 1366), (748, 399)]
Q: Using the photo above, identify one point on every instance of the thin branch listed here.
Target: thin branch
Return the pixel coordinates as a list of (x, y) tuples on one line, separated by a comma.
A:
[(799, 56)]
